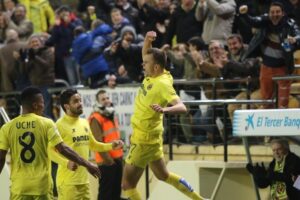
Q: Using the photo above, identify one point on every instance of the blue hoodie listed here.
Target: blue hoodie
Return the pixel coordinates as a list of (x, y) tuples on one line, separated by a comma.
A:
[(87, 50)]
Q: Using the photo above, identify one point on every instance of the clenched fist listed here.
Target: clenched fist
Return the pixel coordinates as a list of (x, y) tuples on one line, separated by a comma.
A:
[(243, 9)]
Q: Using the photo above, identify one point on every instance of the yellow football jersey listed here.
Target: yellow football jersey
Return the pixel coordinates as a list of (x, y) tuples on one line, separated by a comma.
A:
[(146, 123), (27, 136), (76, 133)]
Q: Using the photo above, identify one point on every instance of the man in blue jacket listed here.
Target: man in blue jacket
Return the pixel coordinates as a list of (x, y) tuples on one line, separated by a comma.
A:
[(87, 49)]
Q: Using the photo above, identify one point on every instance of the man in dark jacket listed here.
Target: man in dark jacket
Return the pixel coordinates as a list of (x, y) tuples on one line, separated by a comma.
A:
[(37, 64), (235, 67), (126, 51), (62, 38), (281, 174), (277, 36), (183, 23)]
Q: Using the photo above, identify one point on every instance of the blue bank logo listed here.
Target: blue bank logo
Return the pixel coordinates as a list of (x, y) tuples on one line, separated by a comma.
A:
[(250, 122)]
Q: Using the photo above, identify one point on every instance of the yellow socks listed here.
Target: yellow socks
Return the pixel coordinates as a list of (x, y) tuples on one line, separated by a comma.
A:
[(183, 186), (133, 194)]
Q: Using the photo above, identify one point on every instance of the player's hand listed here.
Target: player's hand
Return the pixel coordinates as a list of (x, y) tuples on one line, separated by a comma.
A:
[(93, 170), (72, 165), (243, 9), (150, 36), (157, 108), (117, 144)]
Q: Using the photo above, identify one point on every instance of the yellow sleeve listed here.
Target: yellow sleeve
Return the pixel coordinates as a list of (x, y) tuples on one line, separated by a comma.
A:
[(50, 14), (57, 157), (4, 143), (53, 135), (168, 92), (99, 146)]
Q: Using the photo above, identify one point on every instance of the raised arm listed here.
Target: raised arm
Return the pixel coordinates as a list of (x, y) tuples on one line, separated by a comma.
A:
[(149, 38), (257, 22)]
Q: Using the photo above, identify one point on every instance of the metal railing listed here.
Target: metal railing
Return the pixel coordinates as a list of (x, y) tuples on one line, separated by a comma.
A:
[(223, 103)]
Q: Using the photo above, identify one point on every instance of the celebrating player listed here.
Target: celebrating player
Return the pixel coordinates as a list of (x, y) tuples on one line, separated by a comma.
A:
[(154, 95)]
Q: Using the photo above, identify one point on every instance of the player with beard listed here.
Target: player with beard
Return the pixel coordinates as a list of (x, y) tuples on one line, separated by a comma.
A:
[(105, 128), (76, 132)]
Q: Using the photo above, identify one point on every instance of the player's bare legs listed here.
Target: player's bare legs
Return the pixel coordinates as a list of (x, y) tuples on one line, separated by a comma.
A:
[(160, 171), (131, 176)]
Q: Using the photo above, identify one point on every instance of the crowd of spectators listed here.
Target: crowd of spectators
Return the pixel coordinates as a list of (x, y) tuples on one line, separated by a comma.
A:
[(97, 43)]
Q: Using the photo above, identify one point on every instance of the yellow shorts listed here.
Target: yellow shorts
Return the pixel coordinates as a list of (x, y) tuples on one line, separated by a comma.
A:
[(141, 155), (29, 197), (74, 192)]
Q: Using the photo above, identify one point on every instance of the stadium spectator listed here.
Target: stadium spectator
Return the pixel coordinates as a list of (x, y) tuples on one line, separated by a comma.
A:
[(129, 12), (9, 7), (154, 17), (217, 18), (118, 22), (211, 68), (240, 26), (9, 68), (102, 8), (37, 63), (40, 13), (4, 26), (61, 38), (238, 66), (281, 173), (183, 23), (126, 51), (88, 17), (18, 22), (278, 36), (176, 69), (87, 49), (188, 61)]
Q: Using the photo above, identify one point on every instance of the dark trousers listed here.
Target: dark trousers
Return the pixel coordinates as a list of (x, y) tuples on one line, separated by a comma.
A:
[(110, 181)]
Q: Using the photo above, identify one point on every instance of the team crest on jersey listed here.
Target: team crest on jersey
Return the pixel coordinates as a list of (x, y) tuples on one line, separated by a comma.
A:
[(73, 130), (86, 129), (149, 87)]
